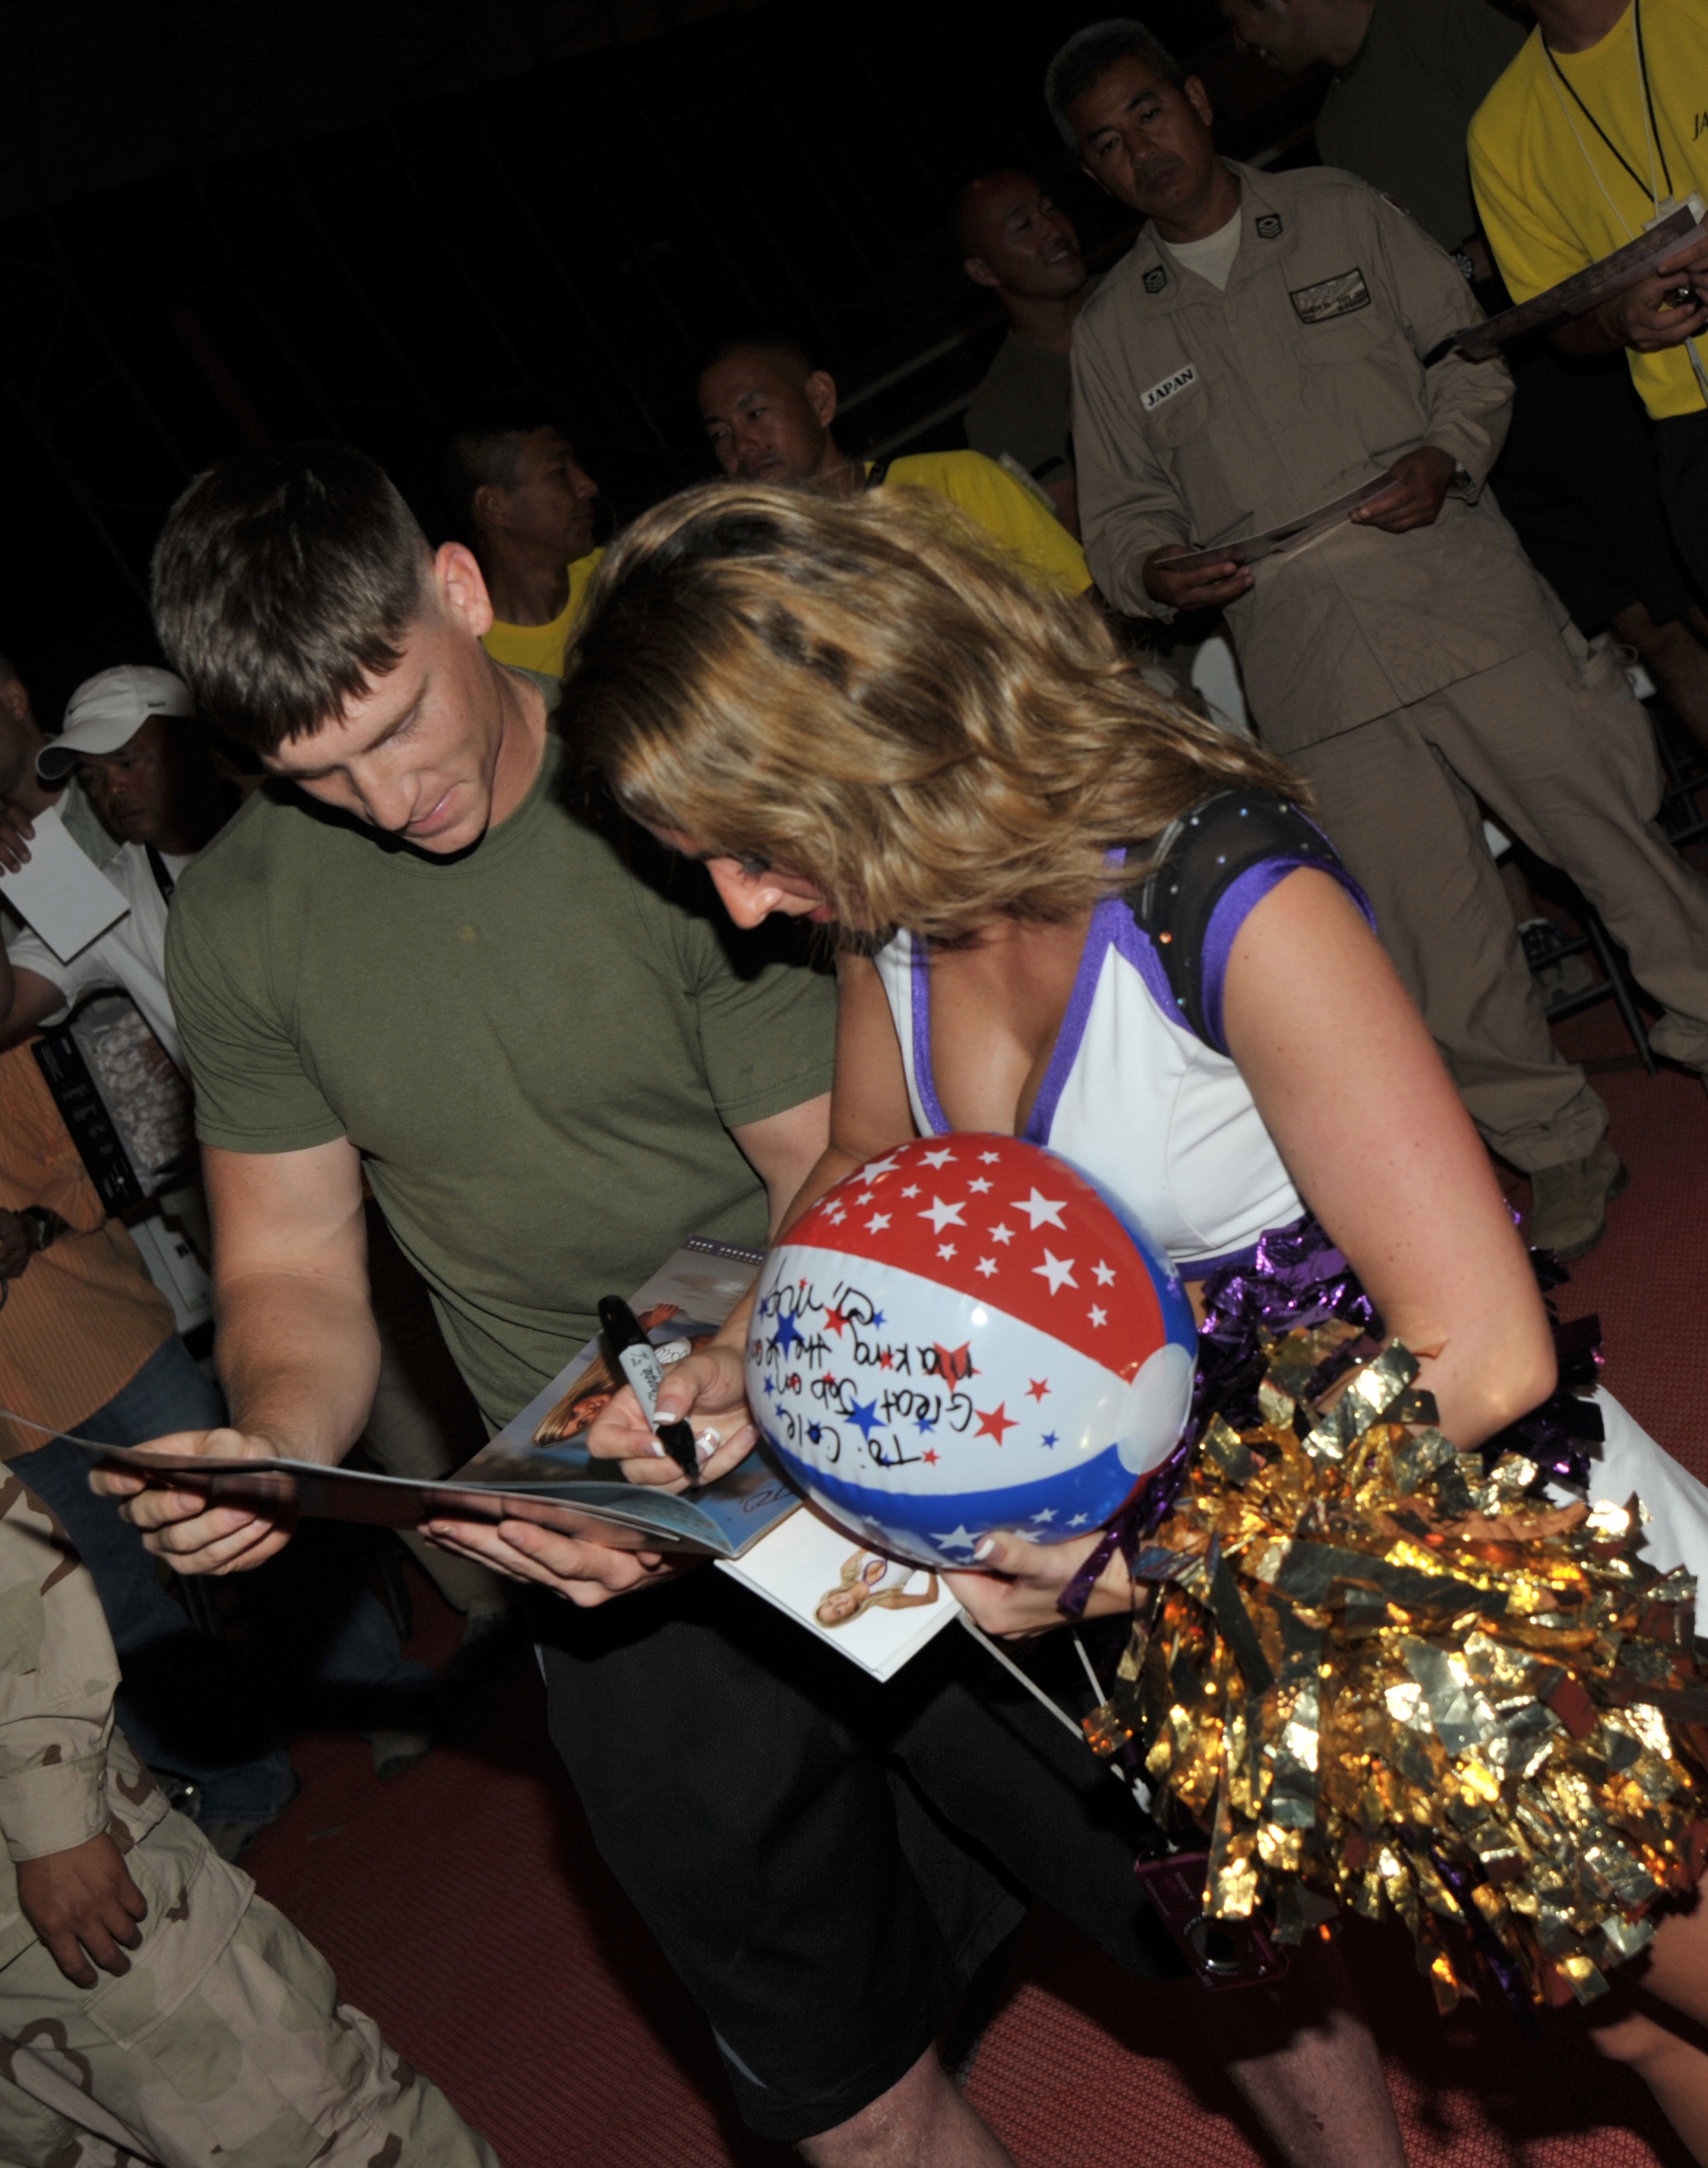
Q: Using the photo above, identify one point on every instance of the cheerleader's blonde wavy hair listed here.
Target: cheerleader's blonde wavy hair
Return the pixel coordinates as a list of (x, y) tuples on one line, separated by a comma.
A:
[(873, 694)]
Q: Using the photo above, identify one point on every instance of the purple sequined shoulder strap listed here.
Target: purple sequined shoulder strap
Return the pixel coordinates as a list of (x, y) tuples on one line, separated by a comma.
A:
[(1296, 1278)]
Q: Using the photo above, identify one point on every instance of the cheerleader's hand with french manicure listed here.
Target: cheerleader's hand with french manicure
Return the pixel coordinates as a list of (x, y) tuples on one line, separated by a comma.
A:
[(1017, 1586), (708, 1390)]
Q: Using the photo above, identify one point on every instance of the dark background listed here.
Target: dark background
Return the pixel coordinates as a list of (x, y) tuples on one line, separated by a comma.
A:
[(220, 224)]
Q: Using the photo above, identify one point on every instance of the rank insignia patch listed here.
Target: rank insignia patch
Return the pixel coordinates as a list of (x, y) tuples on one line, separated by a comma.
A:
[(1268, 225), (1155, 280), (1330, 297)]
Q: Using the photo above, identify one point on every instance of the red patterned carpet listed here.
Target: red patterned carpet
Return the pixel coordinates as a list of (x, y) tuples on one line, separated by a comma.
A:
[(465, 1907)]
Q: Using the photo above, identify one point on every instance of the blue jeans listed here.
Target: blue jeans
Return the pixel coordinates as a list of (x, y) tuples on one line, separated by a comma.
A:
[(184, 1702)]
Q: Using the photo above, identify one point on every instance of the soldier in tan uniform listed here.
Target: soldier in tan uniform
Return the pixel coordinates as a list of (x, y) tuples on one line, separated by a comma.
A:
[(1259, 354), (153, 2008)]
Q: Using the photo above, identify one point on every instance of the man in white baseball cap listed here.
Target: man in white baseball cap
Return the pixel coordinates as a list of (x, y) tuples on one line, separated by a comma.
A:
[(144, 765), (106, 712)]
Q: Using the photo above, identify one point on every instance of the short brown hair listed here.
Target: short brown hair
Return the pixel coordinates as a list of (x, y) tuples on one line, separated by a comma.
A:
[(874, 694), (283, 582)]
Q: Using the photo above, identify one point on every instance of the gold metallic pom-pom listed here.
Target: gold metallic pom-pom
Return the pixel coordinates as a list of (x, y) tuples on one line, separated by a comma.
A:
[(1382, 1676)]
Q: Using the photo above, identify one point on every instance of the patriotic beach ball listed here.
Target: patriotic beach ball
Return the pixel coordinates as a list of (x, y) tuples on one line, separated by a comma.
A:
[(967, 1335)]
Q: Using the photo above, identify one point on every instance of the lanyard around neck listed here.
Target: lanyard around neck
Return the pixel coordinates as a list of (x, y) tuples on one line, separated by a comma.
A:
[(1655, 145)]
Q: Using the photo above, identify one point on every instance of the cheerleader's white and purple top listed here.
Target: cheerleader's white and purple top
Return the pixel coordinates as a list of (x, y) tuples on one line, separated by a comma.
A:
[(1141, 1094)]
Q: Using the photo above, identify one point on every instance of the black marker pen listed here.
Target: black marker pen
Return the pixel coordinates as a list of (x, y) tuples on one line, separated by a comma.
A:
[(637, 1358)]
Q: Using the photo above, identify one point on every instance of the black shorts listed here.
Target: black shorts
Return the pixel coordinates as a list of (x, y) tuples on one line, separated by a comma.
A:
[(825, 1860), (1577, 478), (1682, 448)]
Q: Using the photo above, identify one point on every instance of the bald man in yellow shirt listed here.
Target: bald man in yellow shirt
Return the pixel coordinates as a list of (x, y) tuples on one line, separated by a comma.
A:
[(1598, 125), (523, 502), (768, 414)]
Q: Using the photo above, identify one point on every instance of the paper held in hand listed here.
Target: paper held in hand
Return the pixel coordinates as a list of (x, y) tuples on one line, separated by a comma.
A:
[(63, 896), (1278, 542), (1584, 291), (872, 1609), (536, 1469)]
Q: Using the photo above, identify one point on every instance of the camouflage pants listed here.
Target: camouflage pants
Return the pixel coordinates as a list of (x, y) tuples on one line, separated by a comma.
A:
[(224, 2040)]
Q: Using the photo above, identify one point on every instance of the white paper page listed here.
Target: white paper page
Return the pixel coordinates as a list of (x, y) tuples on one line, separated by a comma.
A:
[(67, 900), (808, 1560)]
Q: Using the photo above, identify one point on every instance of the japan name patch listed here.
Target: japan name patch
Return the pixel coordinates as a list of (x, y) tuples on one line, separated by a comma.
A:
[(1330, 297), (1166, 390)]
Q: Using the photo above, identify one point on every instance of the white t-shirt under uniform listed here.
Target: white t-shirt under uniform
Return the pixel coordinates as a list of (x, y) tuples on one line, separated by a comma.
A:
[(1212, 257), (131, 955)]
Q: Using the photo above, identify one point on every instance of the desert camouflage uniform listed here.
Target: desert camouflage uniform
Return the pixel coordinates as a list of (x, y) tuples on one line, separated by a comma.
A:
[(226, 2040)]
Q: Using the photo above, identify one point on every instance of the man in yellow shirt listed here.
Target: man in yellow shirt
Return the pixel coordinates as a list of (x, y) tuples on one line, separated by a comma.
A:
[(523, 504), (769, 414), (1593, 131)]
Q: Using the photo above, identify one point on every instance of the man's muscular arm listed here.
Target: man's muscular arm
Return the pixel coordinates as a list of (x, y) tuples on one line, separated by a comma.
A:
[(298, 1353), (783, 1150)]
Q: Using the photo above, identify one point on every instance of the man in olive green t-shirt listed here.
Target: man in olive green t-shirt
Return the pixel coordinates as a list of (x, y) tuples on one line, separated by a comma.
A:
[(436, 1018)]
